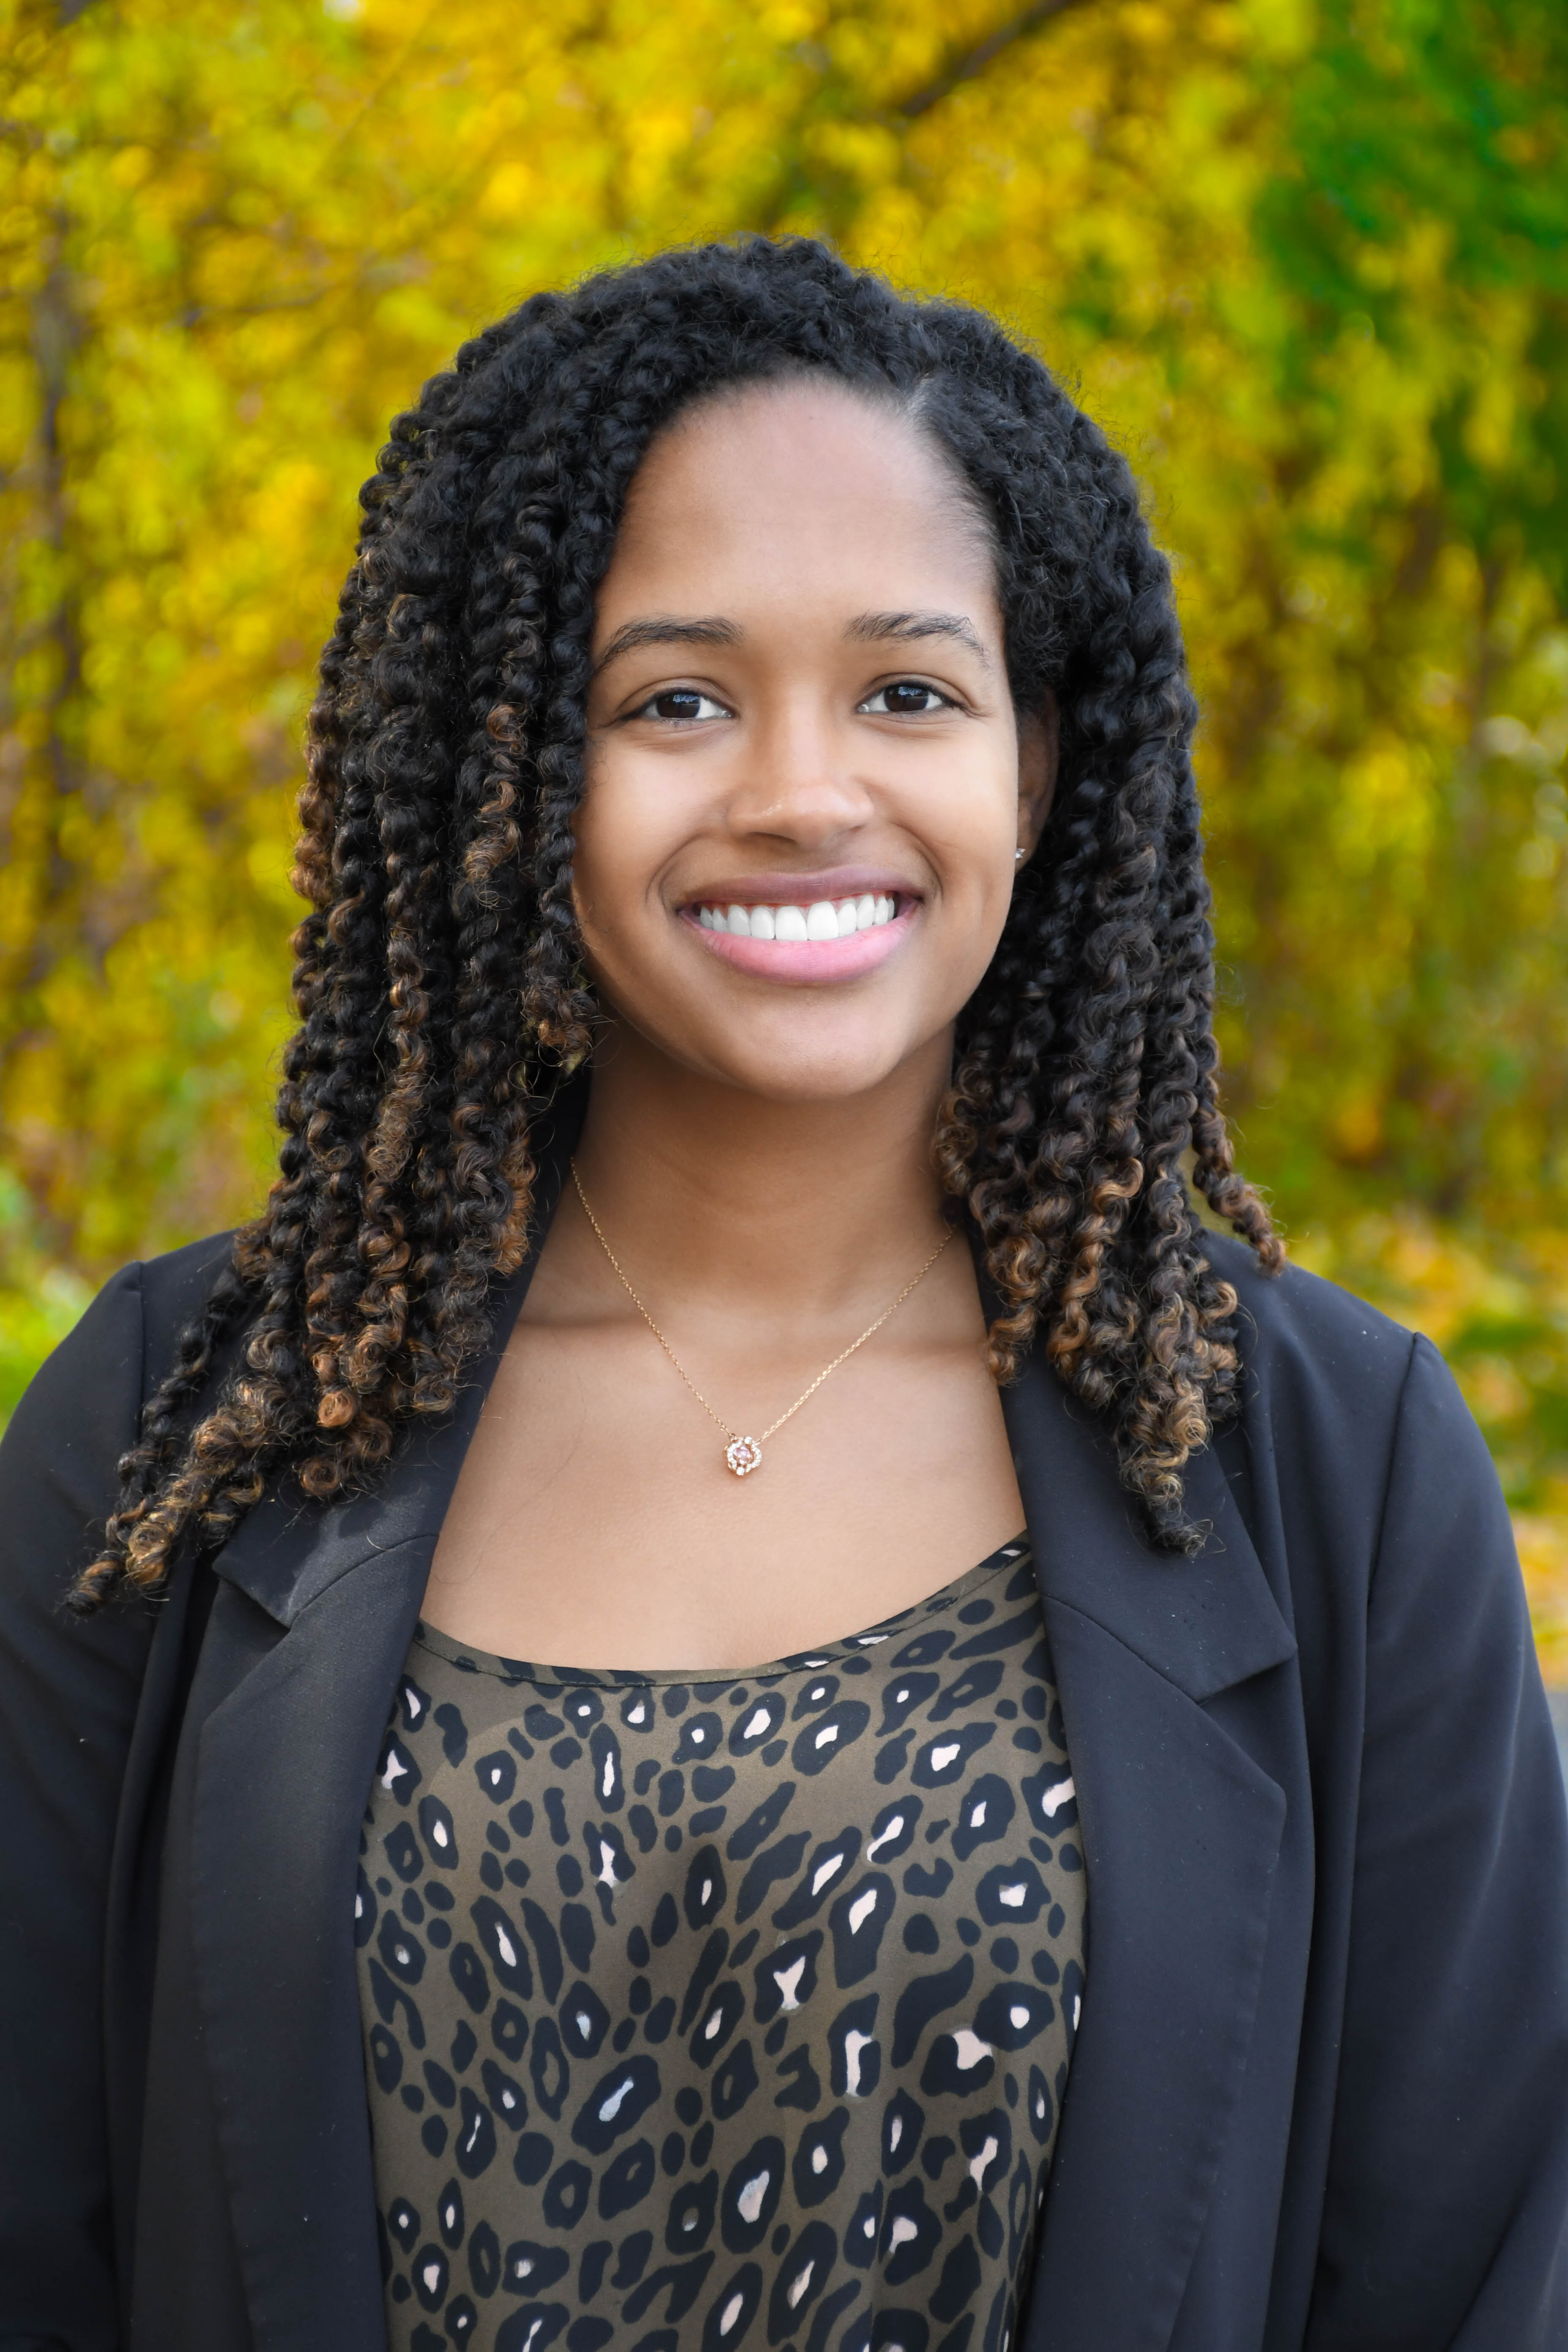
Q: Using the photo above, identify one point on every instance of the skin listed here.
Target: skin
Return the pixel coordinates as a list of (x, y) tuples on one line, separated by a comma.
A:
[(795, 565)]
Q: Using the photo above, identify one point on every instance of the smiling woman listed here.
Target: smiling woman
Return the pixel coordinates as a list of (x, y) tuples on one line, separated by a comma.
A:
[(496, 1865)]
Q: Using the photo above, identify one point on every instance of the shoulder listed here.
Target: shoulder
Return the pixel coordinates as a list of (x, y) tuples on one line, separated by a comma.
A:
[(1310, 1350), (84, 1404), (173, 1289), (59, 1460), (1356, 1422)]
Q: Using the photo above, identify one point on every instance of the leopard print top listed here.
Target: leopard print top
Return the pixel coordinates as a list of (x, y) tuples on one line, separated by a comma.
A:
[(703, 2012)]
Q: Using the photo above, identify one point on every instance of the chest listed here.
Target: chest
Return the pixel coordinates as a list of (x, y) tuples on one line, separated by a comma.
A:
[(596, 1519)]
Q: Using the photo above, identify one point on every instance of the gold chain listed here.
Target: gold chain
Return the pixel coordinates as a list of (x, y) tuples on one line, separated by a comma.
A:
[(744, 1455)]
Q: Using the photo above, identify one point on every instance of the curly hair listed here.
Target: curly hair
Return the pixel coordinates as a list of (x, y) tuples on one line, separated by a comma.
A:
[(438, 976)]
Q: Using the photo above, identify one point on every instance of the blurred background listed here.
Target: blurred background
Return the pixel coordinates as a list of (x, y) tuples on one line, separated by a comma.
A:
[(1307, 261)]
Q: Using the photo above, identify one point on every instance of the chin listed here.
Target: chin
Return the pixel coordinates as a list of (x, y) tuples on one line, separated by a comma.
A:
[(809, 1070)]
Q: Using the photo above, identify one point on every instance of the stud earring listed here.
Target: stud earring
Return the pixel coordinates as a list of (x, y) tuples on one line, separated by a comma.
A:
[(1017, 856)]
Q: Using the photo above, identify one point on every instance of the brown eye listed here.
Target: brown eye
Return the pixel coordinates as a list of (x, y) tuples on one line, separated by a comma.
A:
[(908, 698), (681, 704)]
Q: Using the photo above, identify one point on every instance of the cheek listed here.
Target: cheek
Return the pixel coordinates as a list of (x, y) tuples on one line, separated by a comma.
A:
[(968, 823), (620, 844)]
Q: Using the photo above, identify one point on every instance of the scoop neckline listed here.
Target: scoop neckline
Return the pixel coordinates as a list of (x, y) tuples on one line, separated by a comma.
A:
[(953, 1595)]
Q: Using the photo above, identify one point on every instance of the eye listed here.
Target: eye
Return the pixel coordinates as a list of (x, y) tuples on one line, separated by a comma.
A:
[(907, 697), (681, 705)]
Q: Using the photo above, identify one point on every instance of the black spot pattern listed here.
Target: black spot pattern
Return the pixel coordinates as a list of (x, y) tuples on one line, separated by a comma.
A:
[(737, 2009)]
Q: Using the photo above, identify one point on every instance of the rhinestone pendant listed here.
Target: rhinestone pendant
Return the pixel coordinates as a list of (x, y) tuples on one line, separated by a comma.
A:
[(743, 1455)]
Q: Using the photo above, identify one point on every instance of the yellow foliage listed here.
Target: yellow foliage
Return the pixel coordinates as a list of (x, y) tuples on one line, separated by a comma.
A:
[(1304, 260)]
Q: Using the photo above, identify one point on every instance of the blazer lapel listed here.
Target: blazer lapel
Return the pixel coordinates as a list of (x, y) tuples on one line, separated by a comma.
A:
[(1181, 1830), (295, 1689)]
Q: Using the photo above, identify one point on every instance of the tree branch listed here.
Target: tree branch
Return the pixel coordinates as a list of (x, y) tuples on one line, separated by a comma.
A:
[(971, 62)]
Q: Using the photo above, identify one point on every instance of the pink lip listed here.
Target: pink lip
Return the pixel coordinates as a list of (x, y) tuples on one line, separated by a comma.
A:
[(799, 963)]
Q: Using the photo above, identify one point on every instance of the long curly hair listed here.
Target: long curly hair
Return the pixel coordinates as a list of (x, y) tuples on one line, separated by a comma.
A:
[(438, 976)]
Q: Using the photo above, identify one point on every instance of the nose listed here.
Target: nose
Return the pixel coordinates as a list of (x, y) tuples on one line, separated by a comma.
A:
[(796, 781)]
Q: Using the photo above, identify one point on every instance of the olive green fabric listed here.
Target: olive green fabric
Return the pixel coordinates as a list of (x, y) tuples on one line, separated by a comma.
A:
[(720, 2011)]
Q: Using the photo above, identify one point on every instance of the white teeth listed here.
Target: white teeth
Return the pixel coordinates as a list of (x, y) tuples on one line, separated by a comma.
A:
[(823, 920)]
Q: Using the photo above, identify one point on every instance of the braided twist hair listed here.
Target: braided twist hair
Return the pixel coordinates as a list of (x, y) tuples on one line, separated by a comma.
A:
[(438, 977)]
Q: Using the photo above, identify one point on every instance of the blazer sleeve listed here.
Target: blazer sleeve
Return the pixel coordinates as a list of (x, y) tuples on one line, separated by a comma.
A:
[(68, 1694), (1443, 2225)]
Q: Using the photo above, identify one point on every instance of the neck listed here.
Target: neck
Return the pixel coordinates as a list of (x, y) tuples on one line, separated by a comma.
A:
[(709, 1194)]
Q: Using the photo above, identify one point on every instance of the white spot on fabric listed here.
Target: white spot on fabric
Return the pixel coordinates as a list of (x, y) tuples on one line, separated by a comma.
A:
[(829, 1869), (611, 2108), (861, 1909), (853, 2044), (731, 2313), (941, 1757), (749, 2200), (895, 1828), (788, 1981), (797, 2286), (1053, 1799), (970, 2049), (978, 2164), (902, 2231)]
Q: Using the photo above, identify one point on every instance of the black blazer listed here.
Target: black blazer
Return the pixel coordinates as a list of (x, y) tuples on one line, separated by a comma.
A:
[(1320, 2094)]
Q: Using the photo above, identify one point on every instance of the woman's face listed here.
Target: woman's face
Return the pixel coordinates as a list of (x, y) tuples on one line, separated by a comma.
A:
[(807, 782)]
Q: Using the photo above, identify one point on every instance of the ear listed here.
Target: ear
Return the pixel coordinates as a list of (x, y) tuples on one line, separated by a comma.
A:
[(1038, 743)]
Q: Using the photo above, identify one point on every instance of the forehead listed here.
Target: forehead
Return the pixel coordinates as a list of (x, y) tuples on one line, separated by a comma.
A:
[(802, 489)]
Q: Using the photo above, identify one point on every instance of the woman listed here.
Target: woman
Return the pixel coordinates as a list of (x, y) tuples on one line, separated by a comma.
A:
[(755, 1020)]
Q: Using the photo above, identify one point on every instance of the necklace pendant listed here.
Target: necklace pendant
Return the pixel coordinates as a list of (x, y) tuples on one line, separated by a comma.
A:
[(743, 1455)]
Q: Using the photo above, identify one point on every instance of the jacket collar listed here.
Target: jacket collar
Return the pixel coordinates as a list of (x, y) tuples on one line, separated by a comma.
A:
[(1206, 1620)]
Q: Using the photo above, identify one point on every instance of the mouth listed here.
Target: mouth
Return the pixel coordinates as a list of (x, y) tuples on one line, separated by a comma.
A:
[(802, 939)]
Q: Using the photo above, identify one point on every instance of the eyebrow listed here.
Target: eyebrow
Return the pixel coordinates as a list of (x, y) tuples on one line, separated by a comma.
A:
[(866, 628), (667, 630), (871, 628)]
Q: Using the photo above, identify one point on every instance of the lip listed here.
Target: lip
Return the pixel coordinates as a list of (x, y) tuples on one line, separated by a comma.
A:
[(804, 963)]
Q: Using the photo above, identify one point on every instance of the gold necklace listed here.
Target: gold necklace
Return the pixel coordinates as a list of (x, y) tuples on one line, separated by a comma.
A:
[(744, 1455)]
